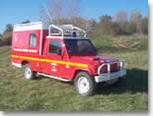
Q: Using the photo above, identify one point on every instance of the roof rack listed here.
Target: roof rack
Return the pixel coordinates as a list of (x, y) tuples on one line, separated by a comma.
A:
[(66, 30)]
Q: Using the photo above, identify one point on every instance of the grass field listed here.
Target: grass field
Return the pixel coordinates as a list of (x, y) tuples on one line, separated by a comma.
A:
[(44, 94)]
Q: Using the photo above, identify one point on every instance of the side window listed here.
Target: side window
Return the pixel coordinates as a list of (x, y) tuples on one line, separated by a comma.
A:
[(55, 47), (32, 40)]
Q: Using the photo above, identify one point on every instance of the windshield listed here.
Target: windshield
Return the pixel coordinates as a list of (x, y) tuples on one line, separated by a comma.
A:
[(79, 46)]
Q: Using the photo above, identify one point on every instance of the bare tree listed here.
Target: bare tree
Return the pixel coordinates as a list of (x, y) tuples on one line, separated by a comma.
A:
[(64, 12), (60, 11), (73, 9)]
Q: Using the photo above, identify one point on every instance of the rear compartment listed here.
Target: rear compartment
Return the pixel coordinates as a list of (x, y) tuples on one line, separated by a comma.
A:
[(27, 40)]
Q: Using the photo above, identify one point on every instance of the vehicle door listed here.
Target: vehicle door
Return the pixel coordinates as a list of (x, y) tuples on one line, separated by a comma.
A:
[(54, 62)]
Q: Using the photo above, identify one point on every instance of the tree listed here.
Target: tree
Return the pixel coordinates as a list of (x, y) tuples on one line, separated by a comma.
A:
[(136, 18), (7, 35), (0, 39), (8, 28), (121, 18), (105, 26), (130, 27), (56, 10), (64, 12), (115, 29), (92, 25), (106, 17), (145, 25)]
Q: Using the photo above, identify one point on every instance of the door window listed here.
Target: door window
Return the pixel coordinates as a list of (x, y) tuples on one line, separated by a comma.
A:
[(33, 40), (55, 47)]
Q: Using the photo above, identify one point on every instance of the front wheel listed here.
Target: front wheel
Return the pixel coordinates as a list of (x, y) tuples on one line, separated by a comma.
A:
[(28, 73), (84, 84)]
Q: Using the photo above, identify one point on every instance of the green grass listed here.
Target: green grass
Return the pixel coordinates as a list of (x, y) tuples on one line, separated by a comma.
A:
[(118, 44), (44, 94)]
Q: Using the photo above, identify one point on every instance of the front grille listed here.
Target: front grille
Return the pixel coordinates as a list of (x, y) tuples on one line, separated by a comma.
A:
[(113, 68)]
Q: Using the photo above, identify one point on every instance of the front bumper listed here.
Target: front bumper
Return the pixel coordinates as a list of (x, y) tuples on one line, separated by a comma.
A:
[(110, 76), (104, 77)]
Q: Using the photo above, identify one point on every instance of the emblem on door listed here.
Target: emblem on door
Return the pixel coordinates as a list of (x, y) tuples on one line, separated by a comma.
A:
[(53, 67)]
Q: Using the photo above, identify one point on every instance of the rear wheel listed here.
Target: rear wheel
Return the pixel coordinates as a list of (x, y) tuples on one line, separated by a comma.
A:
[(28, 73), (84, 84)]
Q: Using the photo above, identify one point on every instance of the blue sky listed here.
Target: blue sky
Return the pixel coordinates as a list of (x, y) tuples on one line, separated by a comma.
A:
[(16, 11)]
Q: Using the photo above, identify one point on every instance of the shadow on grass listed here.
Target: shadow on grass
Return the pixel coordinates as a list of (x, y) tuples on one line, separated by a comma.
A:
[(135, 81)]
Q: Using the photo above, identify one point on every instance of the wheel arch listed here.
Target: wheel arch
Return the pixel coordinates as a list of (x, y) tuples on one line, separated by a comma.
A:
[(24, 62), (81, 70)]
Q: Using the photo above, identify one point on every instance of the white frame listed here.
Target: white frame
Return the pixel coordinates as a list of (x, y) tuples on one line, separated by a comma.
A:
[(108, 66), (63, 27), (104, 77)]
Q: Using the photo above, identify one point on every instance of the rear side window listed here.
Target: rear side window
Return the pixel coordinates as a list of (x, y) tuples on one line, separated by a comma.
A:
[(32, 40), (55, 47)]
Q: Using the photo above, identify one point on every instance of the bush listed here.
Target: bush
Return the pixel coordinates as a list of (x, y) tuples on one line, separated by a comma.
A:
[(107, 27), (145, 26), (6, 38)]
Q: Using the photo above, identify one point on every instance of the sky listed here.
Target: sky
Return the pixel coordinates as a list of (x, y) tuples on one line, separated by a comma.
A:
[(17, 11)]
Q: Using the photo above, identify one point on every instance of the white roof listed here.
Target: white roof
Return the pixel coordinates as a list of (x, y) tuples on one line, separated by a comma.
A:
[(29, 26)]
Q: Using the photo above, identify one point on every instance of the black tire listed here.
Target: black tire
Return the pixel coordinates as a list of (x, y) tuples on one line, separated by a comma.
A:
[(28, 73), (86, 82)]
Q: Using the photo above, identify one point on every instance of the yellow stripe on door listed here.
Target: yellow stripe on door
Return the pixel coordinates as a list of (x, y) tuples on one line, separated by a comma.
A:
[(52, 61)]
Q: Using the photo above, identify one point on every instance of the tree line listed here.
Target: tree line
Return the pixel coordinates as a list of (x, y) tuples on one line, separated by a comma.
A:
[(123, 24), (57, 12)]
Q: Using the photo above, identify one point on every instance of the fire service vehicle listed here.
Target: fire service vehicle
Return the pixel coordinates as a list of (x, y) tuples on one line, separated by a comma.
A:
[(63, 52)]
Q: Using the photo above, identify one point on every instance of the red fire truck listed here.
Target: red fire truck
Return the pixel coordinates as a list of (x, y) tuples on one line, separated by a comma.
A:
[(63, 52)]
